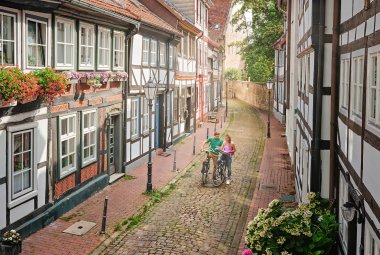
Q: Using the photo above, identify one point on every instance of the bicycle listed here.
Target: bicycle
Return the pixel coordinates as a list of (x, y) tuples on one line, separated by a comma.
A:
[(205, 168), (218, 176)]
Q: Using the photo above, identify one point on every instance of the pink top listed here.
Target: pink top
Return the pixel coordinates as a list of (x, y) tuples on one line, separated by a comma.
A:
[(228, 149)]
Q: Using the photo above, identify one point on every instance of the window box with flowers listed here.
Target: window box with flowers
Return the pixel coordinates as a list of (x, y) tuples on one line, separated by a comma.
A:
[(51, 84), (96, 80), (308, 229), (16, 86), (11, 243), (72, 77), (120, 76)]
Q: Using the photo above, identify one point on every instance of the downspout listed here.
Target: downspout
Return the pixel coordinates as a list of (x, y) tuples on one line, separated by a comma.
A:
[(129, 44), (195, 83), (288, 45), (166, 92), (277, 68), (316, 174), (279, 6)]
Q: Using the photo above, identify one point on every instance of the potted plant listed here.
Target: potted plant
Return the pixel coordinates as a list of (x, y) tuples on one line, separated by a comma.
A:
[(11, 243), (16, 86), (51, 83), (72, 77), (105, 77), (120, 76), (92, 79), (308, 229)]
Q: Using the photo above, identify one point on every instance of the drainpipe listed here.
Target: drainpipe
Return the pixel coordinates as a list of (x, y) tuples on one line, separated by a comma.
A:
[(316, 174), (279, 6), (129, 45), (195, 83)]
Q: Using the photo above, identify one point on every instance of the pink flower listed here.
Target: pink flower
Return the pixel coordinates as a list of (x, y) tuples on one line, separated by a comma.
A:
[(247, 252)]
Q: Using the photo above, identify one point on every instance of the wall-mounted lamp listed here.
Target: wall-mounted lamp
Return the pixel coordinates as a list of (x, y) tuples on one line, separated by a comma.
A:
[(349, 209)]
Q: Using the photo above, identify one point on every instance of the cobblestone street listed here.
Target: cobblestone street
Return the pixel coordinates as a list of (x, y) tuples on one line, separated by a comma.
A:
[(203, 220)]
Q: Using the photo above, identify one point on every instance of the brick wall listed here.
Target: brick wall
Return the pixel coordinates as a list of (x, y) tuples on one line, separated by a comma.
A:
[(252, 93)]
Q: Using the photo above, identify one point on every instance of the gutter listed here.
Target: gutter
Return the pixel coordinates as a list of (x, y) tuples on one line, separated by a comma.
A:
[(195, 83), (316, 175), (95, 8)]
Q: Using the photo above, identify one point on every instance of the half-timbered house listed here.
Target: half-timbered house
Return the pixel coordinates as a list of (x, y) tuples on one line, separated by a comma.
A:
[(53, 156), (279, 88)]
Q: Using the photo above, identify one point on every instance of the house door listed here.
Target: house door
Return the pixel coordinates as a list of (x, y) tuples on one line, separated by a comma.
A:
[(114, 153)]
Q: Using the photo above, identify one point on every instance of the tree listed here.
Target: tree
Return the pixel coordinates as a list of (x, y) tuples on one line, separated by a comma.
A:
[(267, 27), (232, 74)]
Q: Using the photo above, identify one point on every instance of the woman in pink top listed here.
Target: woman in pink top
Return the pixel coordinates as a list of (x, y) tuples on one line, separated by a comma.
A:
[(229, 147)]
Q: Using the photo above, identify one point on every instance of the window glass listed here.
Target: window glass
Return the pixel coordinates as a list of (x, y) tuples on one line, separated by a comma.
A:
[(162, 54), (89, 144), (134, 117), (171, 58), (119, 53), (67, 145), (145, 48), (153, 53), (87, 46), (145, 116), (104, 49), (65, 43), (7, 39), (36, 43)]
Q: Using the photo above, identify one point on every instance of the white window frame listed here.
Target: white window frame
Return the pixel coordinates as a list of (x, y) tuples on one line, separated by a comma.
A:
[(88, 27), (106, 52), (171, 57), (371, 246), (373, 120), (145, 51), (145, 127), (163, 54), (344, 83), (153, 52), (343, 224), (15, 39), (169, 109), (357, 86), (73, 135), (134, 117), (36, 44), (27, 194), (117, 35), (65, 66), (90, 129)]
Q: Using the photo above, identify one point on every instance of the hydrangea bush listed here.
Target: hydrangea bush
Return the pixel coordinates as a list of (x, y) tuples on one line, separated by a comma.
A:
[(308, 229), (11, 237)]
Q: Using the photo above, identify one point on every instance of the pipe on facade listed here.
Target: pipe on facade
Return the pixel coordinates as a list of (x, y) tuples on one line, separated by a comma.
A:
[(279, 6), (289, 23), (316, 175), (195, 83)]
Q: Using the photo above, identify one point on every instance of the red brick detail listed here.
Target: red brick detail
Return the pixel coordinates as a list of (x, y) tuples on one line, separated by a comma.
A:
[(105, 161), (80, 104), (59, 108), (88, 172), (95, 101), (83, 87), (114, 98), (64, 185)]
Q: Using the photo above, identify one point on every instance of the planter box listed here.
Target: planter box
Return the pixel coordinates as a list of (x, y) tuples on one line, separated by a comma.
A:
[(28, 100), (4, 104), (10, 249), (73, 81)]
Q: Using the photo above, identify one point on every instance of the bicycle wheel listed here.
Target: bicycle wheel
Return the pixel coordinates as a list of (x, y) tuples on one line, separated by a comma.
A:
[(204, 172), (218, 177)]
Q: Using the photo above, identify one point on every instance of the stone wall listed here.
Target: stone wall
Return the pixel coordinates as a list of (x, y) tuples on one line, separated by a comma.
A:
[(255, 94)]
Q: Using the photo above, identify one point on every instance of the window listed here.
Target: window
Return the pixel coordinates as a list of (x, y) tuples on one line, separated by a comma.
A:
[(104, 48), (87, 46), (162, 54), (343, 225), (7, 39), (357, 82), (171, 58), (168, 109), (179, 47), (344, 82), (192, 47), (134, 117), (145, 50), (67, 144), (118, 50), (22, 161), (89, 128), (371, 247), (36, 43), (153, 53), (65, 43), (185, 45), (175, 106), (145, 116), (374, 89)]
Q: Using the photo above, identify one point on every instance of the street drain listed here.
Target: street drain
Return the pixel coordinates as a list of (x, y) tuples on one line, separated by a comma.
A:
[(80, 228), (268, 187)]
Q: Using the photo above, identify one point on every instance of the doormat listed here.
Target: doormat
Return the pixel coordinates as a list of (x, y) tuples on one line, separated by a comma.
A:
[(80, 228), (165, 154)]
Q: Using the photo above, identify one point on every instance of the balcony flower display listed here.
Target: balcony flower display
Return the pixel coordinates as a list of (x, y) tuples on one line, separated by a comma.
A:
[(16, 86), (51, 83), (120, 76), (308, 229)]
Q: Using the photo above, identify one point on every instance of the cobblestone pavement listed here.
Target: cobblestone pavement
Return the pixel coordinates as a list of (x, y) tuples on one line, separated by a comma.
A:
[(196, 219)]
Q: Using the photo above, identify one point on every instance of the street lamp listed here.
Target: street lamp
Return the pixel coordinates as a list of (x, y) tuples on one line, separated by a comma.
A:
[(269, 87), (150, 90)]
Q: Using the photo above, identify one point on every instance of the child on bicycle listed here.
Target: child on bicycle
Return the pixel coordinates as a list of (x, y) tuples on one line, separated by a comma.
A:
[(228, 147), (214, 143)]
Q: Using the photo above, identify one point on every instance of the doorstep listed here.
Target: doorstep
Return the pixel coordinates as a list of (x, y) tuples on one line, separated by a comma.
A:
[(115, 177)]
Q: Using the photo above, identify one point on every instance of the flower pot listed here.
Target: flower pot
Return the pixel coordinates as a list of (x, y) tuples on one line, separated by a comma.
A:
[(28, 99), (72, 81), (6, 249), (4, 104)]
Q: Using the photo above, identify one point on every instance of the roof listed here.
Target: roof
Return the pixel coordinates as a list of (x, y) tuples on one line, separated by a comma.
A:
[(135, 10), (280, 42), (218, 14)]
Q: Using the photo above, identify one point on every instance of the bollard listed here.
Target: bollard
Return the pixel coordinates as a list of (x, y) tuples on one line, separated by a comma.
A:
[(215, 128), (207, 134), (103, 231), (175, 160), (194, 145), (221, 122)]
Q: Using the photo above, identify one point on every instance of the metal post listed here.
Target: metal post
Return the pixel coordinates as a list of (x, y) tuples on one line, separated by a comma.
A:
[(207, 134), (268, 131), (215, 127), (104, 219), (175, 160), (221, 122), (194, 144), (149, 183)]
